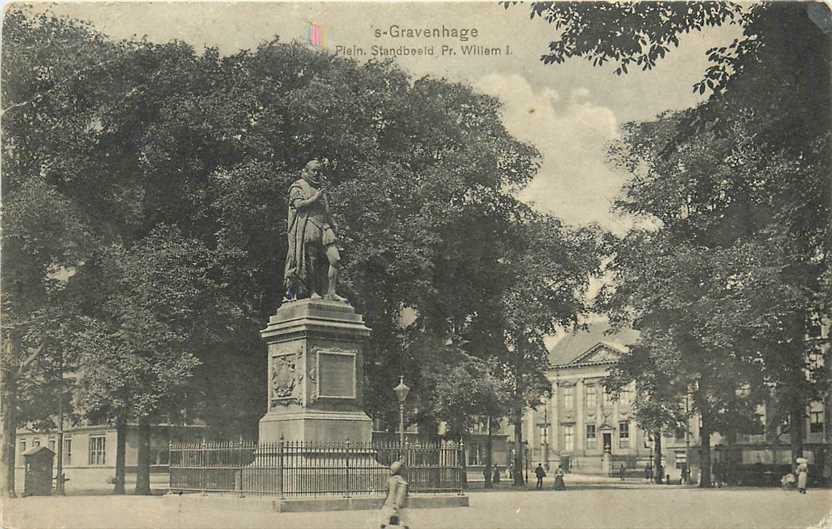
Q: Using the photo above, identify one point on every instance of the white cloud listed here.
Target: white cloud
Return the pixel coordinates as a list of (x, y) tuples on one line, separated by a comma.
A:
[(574, 182)]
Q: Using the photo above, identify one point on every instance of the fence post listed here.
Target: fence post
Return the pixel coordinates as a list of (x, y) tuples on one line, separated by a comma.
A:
[(204, 459), (170, 466), (461, 466), (348, 485), (280, 467), (239, 472)]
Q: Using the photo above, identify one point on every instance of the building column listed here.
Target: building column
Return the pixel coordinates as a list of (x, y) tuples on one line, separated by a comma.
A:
[(554, 431), (580, 434)]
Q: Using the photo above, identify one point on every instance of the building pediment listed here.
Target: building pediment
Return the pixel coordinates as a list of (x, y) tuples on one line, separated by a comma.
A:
[(600, 353)]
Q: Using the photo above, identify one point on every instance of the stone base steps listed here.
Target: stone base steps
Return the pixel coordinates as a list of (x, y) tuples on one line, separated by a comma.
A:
[(308, 504)]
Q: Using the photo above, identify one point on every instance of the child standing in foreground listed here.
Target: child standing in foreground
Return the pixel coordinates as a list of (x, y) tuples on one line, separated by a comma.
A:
[(393, 511)]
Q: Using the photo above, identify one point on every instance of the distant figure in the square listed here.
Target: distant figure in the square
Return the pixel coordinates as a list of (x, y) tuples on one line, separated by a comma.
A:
[(648, 473), (802, 474), (717, 472), (621, 472), (559, 483), (312, 258), (393, 510), (497, 474), (540, 473), (788, 482)]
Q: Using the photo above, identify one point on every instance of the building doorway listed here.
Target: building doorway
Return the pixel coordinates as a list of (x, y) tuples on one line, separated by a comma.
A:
[(607, 441)]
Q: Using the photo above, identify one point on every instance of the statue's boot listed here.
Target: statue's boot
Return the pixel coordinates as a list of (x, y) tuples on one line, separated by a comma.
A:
[(333, 280)]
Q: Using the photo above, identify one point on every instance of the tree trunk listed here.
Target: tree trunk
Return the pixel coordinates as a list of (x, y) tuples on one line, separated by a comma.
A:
[(59, 452), (731, 459), (8, 420), (121, 449), (657, 456), (796, 415), (489, 464), (518, 448), (143, 463), (705, 455)]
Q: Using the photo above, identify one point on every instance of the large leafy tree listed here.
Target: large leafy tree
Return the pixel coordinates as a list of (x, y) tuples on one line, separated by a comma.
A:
[(125, 155), (47, 104), (761, 210), (550, 266)]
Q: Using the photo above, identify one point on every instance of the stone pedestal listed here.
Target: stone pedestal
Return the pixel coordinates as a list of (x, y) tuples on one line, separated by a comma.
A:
[(315, 374)]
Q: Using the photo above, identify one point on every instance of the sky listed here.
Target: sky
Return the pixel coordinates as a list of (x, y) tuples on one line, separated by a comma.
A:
[(570, 112)]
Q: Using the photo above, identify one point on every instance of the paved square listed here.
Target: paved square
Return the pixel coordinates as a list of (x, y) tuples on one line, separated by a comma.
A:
[(592, 507)]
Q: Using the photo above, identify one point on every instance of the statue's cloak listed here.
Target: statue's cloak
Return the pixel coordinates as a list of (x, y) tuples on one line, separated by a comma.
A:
[(296, 272)]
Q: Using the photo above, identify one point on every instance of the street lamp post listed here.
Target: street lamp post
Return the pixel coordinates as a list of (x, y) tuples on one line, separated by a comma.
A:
[(401, 392)]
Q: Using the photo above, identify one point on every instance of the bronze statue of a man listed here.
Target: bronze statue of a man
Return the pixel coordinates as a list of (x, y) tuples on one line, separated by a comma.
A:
[(312, 240)]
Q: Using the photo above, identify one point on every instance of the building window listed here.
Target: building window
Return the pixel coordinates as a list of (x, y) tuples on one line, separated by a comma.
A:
[(626, 396), (51, 444), (569, 438), (607, 398), (624, 435), (816, 417), (473, 453), (568, 398), (35, 442), (591, 397), (543, 432), (98, 446), (590, 436), (67, 450)]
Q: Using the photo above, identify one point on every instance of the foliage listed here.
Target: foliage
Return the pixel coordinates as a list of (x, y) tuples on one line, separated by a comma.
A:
[(467, 393), (626, 33), (168, 171), (737, 189)]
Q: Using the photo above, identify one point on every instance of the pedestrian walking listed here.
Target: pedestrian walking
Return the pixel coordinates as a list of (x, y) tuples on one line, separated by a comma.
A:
[(621, 472), (497, 475), (540, 473), (559, 483), (648, 472), (393, 510), (802, 474)]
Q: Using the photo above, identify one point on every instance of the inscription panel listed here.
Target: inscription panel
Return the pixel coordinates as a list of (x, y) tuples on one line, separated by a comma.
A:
[(336, 375)]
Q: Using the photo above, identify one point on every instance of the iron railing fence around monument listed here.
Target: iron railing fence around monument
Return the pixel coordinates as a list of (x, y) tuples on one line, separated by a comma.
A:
[(294, 468)]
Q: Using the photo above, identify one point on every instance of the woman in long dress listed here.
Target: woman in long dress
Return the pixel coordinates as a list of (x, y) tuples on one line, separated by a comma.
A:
[(802, 474)]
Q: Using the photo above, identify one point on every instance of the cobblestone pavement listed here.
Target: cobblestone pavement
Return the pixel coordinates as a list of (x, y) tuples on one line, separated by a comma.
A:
[(600, 507)]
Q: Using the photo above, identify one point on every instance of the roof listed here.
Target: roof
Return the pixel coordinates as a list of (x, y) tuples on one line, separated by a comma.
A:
[(36, 449), (576, 344)]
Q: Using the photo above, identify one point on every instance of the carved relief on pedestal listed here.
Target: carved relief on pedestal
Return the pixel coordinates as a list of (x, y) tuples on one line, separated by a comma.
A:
[(312, 380), (286, 379)]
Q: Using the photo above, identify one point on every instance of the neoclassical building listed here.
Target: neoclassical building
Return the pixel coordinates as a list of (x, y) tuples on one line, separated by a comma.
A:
[(581, 428)]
